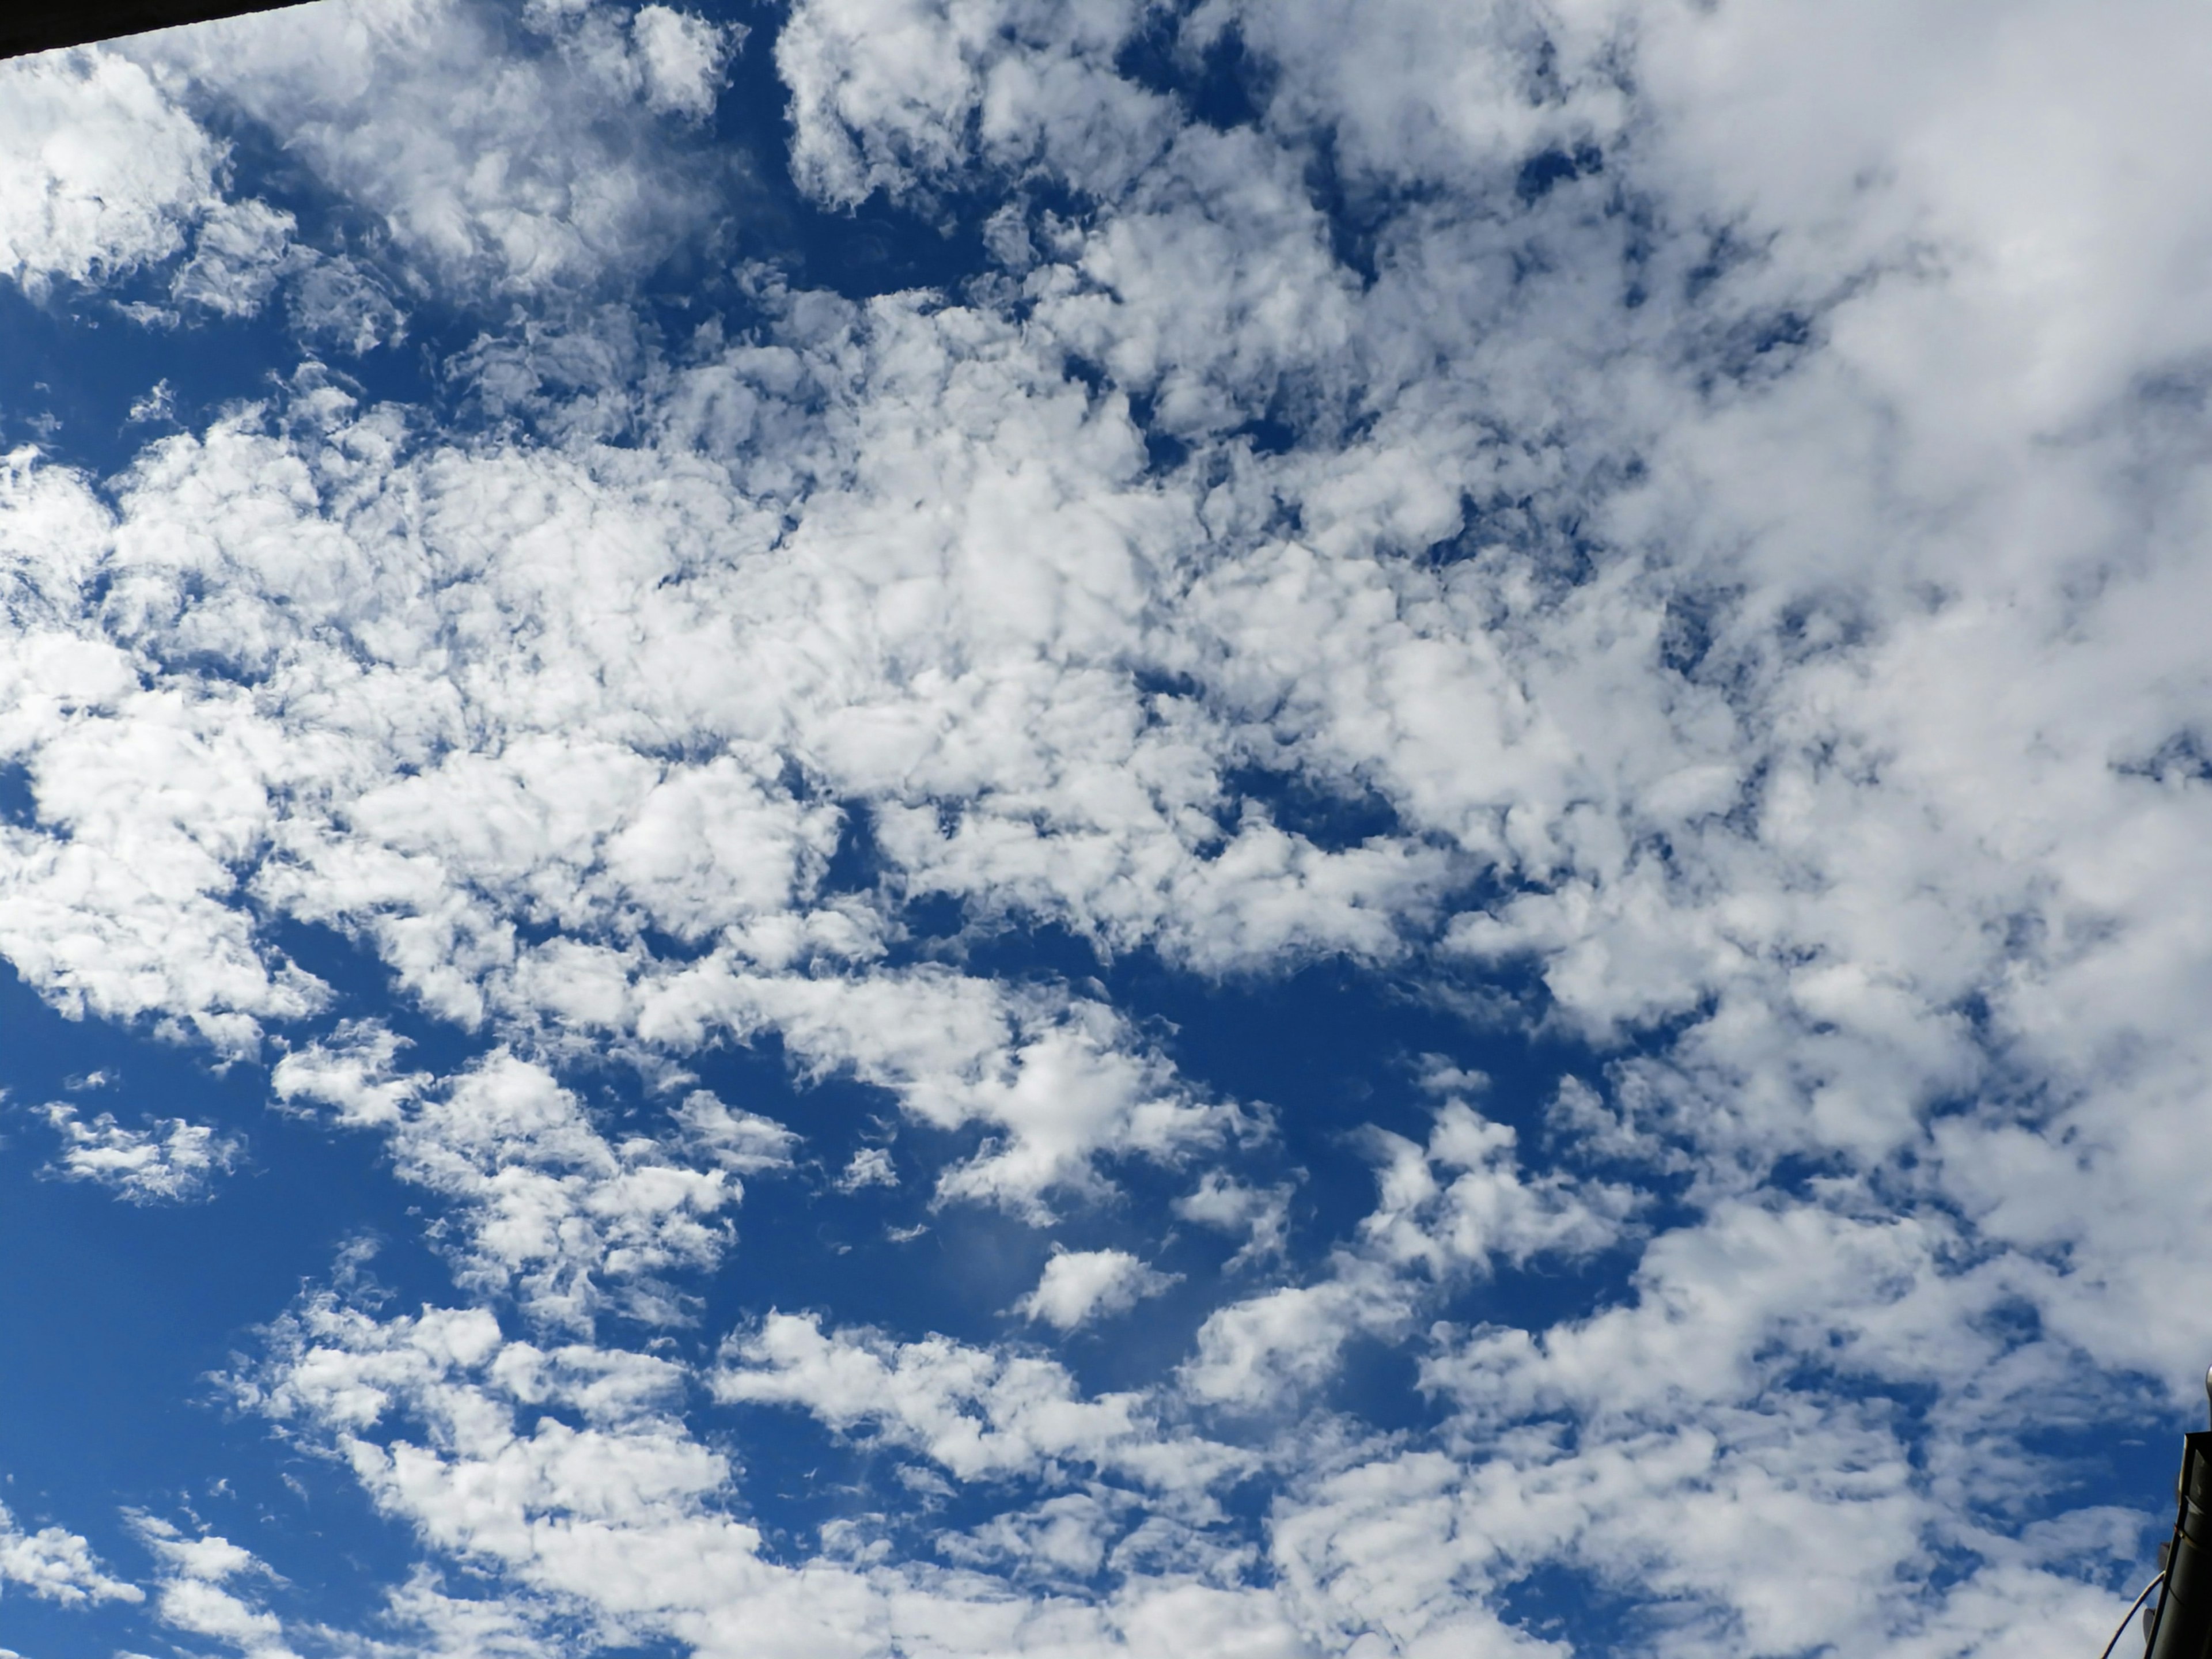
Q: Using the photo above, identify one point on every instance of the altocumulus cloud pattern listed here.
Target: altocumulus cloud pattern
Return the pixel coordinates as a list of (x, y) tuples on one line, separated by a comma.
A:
[(1097, 826)]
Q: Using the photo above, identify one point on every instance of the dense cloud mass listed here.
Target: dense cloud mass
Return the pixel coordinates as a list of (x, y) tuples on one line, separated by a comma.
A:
[(1661, 536)]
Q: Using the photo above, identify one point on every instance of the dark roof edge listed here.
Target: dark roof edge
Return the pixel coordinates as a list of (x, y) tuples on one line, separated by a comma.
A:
[(29, 26)]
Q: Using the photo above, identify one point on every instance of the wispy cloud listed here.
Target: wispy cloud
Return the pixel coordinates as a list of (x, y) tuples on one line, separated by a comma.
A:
[(169, 1161)]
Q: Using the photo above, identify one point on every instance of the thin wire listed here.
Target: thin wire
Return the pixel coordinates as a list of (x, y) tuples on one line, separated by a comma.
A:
[(2130, 1618)]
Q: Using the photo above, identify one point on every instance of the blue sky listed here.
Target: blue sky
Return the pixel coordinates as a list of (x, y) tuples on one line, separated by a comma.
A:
[(1096, 828)]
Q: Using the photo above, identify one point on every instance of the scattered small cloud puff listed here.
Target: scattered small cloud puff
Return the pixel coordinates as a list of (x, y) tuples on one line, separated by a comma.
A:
[(870, 1166), (682, 56), (169, 1161), (1080, 1286)]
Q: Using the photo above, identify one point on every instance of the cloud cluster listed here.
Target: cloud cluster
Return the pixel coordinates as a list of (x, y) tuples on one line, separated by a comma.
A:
[(105, 172), (56, 1564), (548, 172), (1716, 495), (550, 1209), (168, 1162), (198, 1591), (571, 1470)]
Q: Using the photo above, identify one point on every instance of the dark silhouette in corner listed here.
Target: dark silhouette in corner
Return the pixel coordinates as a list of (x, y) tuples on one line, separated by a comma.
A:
[(2178, 1623), (28, 26)]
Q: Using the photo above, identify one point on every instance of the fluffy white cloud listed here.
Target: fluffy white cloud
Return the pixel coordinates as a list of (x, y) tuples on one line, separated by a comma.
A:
[(871, 1166), (1261, 1214), (607, 1500), (195, 1593), (168, 1162), (105, 169), (351, 1074), (551, 1209), (977, 1413), (541, 173), (682, 57), (1430, 1228), (239, 252), (891, 95), (1080, 1286), (57, 1565), (1739, 537)]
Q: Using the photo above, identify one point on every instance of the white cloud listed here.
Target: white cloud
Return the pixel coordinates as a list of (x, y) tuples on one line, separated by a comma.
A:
[(567, 1219), (744, 1143), (977, 1413), (1488, 1211), (160, 403), (1080, 1286), (1430, 1228), (239, 252), (57, 1565), (1066, 1537), (1262, 1214), (550, 172), (106, 169), (1255, 1354), (351, 1072), (168, 1162), (1800, 662), (607, 1496), (683, 58), (340, 302), (871, 1166), (549, 1208), (195, 1594), (117, 901), (1061, 1080)]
